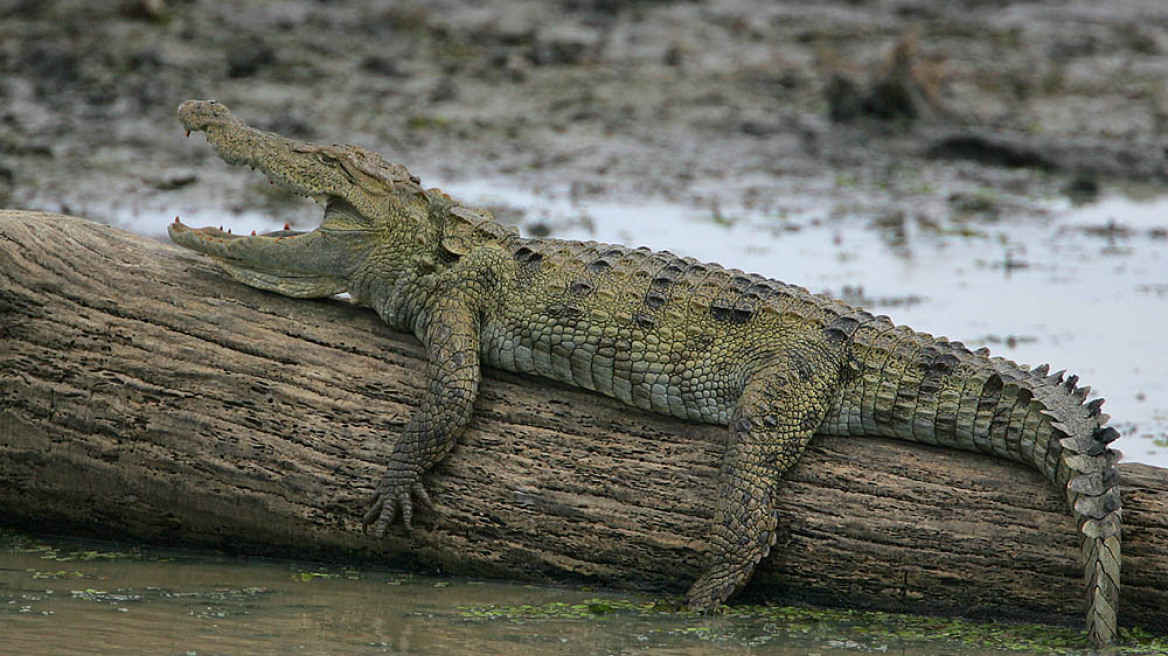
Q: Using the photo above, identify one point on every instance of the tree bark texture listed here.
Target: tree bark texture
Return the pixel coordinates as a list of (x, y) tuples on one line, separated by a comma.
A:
[(146, 397)]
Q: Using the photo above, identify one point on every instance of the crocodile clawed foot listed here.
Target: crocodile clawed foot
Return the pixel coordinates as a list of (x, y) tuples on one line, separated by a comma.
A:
[(394, 496)]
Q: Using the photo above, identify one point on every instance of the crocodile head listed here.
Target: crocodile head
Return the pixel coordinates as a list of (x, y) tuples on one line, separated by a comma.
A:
[(375, 211)]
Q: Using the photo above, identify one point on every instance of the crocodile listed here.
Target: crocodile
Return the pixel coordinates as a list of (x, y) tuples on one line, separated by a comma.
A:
[(771, 361)]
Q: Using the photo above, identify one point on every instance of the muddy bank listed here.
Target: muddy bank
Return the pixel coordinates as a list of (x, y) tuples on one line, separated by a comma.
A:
[(687, 100)]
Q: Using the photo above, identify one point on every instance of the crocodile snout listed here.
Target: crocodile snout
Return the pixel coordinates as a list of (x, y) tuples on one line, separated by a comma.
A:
[(198, 115)]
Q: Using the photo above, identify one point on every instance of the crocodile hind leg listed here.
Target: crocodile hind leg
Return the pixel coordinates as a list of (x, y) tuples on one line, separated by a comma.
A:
[(779, 410)]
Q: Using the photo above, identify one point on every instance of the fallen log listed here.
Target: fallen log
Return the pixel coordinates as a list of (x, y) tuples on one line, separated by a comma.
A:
[(146, 397)]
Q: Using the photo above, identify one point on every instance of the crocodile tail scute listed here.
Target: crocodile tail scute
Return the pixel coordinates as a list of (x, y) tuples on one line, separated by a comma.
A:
[(1086, 469), (1100, 526), (1101, 555)]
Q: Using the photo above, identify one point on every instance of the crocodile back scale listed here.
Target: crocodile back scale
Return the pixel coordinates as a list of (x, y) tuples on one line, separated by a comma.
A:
[(772, 362)]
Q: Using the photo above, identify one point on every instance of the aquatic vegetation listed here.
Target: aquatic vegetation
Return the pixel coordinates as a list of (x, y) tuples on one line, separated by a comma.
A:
[(835, 628)]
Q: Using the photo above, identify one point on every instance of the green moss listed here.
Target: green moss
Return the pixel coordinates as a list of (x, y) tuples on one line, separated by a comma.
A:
[(308, 575), (27, 545), (305, 577), (57, 575), (863, 629), (558, 610)]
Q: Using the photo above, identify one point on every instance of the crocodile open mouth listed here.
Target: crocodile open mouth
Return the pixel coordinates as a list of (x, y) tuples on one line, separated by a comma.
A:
[(304, 264), (205, 240)]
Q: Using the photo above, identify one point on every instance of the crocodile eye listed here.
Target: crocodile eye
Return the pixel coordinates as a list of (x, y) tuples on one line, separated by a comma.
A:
[(325, 159)]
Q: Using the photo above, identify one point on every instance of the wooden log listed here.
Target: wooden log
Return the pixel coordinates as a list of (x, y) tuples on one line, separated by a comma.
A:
[(146, 397)]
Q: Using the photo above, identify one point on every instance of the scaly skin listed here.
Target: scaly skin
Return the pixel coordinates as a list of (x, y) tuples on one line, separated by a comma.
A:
[(771, 361)]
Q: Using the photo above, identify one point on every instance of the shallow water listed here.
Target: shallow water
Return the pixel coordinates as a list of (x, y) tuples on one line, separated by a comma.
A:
[(64, 598), (1083, 287)]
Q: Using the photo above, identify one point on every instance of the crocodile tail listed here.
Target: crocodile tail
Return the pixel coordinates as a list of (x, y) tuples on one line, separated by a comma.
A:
[(1085, 469), (915, 386)]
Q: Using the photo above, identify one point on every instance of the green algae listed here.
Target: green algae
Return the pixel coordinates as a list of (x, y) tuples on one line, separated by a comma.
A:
[(852, 629), (733, 626), (69, 551), (308, 575)]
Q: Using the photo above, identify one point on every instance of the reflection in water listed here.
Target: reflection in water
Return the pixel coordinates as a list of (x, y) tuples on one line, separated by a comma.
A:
[(91, 602)]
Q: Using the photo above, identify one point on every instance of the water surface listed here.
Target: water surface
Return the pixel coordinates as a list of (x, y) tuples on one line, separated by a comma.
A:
[(64, 598)]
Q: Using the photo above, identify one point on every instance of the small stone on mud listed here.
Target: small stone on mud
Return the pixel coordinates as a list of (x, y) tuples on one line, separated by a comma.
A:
[(383, 66), (173, 181), (1082, 189)]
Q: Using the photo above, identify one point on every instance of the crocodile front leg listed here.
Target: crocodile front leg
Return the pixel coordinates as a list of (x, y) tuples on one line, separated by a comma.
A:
[(450, 332), (779, 410)]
